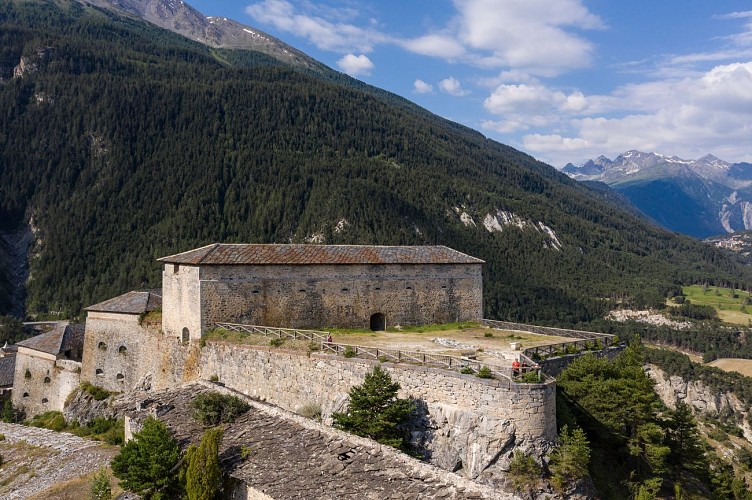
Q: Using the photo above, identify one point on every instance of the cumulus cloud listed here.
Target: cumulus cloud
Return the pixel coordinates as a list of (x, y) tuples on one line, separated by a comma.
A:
[(452, 86), (422, 87), (688, 117), (321, 27), (532, 35), (535, 97), (436, 45), (355, 65)]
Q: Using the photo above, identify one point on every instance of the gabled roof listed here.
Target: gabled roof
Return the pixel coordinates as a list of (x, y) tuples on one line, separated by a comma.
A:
[(131, 303), (270, 254), (7, 369), (60, 339)]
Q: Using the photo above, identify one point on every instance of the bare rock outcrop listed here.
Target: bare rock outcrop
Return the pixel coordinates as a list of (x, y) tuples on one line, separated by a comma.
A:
[(701, 398)]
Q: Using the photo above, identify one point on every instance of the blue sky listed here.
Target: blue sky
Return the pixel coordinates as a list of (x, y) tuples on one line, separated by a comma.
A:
[(562, 80)]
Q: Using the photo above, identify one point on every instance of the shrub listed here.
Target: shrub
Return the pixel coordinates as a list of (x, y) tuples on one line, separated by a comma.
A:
[(488, 334), (214, 378), (484, 372), (276, 342), (467, 370), (96, 392), (313, 346), (213, 408), (100, 485), (245, 452), (523, 470), (349, 352), (2, 437), (531, 377), (52, 420), (310, 410)]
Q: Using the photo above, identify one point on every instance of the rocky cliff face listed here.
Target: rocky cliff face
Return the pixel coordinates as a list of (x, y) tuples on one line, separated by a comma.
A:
[(702, 399)]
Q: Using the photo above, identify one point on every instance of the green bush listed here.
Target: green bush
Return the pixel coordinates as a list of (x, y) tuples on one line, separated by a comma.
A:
[(484, 372), (349, 352), (523, 470), (213, 408), (96, 392), (100, 485), (467, 370), (531, 377), (488, 334), (310, 410), (52, 420), (276, 342)]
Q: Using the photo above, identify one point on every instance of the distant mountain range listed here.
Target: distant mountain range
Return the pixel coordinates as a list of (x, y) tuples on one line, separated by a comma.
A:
[(701, 198)]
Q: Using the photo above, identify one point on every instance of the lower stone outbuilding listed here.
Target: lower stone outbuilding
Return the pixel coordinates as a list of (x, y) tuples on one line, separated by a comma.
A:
[(48, 369)]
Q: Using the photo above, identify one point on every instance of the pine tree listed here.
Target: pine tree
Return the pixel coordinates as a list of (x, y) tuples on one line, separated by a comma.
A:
[(570, 461), (203, 475), (687, 450), (375, 411), (146, 464), (100, 485)]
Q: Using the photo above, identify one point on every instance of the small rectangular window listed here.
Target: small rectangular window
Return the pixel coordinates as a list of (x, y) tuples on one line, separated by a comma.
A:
[(176, 268)]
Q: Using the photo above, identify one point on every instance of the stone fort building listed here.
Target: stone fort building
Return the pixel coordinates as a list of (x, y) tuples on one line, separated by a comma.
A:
[(318, 286)]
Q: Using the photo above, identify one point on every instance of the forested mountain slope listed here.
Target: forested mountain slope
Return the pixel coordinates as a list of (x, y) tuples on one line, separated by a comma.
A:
[(124, 142)]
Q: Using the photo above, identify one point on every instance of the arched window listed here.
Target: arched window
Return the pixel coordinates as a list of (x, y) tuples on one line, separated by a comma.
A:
[(25, 395), (46, 380), (123, 350), (119, 377), (100, 372), (102, 346), (186, 335), (44, 400)]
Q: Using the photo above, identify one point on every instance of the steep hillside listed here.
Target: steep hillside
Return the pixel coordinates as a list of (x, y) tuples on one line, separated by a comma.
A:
[(125, 142)]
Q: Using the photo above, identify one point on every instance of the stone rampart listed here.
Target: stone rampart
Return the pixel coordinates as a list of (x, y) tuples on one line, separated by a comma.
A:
[(469, 425)]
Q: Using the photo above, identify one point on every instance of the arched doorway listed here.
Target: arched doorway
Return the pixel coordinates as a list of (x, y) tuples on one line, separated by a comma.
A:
[(378, 322), (186, 335)]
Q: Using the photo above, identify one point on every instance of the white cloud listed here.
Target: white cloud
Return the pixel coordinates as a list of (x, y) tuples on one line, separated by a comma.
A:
[(422, 87), (530, 35), (452, 86), (688, 117), (355, 65), (534, 97), (323, 28), (436, 45)]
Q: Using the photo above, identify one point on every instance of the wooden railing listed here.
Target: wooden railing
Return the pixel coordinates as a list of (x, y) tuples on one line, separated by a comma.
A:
[(269, 331), (543, 330), (571, 347), (447, 362)]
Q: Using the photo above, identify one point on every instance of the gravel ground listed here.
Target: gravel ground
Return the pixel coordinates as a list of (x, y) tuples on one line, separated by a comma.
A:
[(35, 459)]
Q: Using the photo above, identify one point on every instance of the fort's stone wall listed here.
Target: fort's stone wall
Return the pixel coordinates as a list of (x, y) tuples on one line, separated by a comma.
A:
[(469, 424), (319, 296), (122, 355), (41, 382)]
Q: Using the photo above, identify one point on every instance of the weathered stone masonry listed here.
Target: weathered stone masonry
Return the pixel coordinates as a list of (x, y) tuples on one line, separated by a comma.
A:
[(315, 286), (471, 423)]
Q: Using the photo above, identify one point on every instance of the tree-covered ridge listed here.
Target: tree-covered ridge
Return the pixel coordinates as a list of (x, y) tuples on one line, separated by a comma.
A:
[(129, 143)]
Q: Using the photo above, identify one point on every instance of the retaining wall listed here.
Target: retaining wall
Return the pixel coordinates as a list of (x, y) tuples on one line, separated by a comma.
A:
[(468, 424)]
